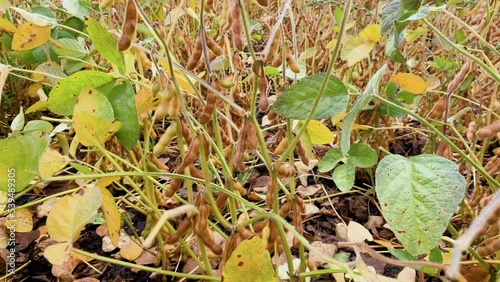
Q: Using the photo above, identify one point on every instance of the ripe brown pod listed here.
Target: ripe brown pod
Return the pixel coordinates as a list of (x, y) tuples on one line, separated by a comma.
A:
[(185, 132), (221, 200), (236, 24), (129, 26), (490, 130), (263, 101), (271, 190), (196, 172), (181, 230), (290, 60), (285, 209), (196, 55), (251, 141), (302, 153), (286, 170), (174, 185), (191, 155), (212, 45), (203, 218), (209, 5), (210, 243), (263, 2), (209, 108), (280, 149)]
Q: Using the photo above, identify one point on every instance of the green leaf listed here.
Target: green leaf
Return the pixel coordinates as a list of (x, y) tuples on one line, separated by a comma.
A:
[(390, 111), (330, 160), (122, 98), (391, 46), (105, 43), (74, 8), (344, 176), (418, 196), (21, 159), (362, 155), (338, 14), (406, 18), (63, 96), (38, 125), (297, 101), (361, 103), (250, 261), (388, 15), (74, 23), (407, 5), (70, 48), (18, 122)]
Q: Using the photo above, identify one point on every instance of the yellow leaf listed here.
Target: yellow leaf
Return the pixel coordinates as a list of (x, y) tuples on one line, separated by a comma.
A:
[(106, 181), (338, 117), (371, 32), (131, 250), (185, 83), (29, 36), (52, 162), (356, 49), (7, 26), (145, 100), (3, 200), (319, 133), (93, 117), (111, 215), (58, 253), (20, 221), (409, 82), (88, 126), (38, 106), (250, 261), (70, 214)]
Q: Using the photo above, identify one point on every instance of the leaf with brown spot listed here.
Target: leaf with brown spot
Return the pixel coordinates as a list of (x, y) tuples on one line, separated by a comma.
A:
[(29, 36)]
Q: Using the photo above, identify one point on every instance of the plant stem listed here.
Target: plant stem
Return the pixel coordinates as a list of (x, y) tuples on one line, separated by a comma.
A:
[(333, 60), (460, 49)]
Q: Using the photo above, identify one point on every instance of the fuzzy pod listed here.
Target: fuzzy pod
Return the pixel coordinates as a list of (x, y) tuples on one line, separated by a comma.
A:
[(221, 200), (251, 141), (212, 45), (285, 209), (210, 243), (162, 109), (286, 170), (129, 26), (195, 172), (282, 145), (263, 100), (196, 55), (302, 153), (181, 230), (174, 185), (209, 5), (489, 131), (174, 107), (271, 191), (185, 132), (165, 139), (292, 63), (489, 247), (209, 108), (202, 223), (191, 154), (234, 14)]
